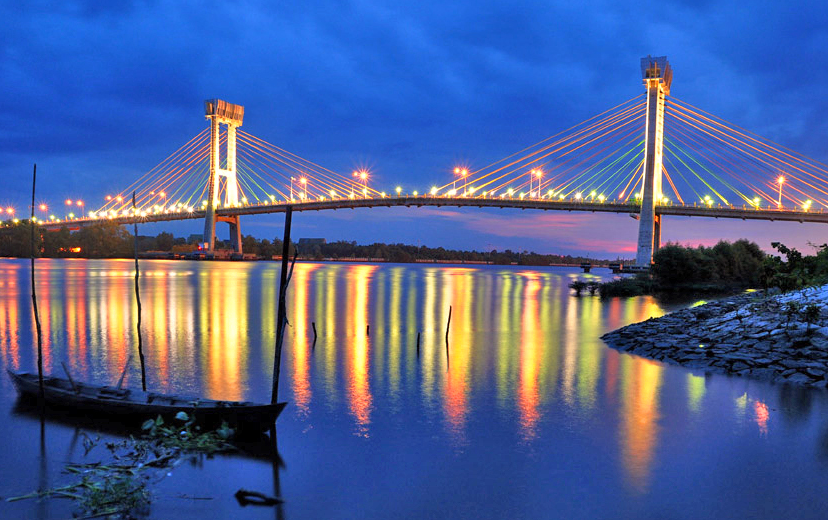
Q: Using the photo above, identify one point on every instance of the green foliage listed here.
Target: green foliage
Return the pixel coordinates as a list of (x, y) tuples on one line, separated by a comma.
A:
[(593, 286), (811, 314), (735, 265), (185, 435), (627, 286), (114, 494), (796, 271), (15, 239), (792, 310), (578, 286)]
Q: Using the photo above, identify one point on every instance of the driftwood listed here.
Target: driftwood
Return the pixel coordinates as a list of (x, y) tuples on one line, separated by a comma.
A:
[(254, 498)]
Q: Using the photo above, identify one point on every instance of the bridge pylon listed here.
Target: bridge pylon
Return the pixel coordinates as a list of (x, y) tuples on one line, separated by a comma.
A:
[(222, 113), (657, 76)]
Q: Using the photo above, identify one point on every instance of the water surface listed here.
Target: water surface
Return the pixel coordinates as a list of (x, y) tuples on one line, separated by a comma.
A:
[(524, 414)]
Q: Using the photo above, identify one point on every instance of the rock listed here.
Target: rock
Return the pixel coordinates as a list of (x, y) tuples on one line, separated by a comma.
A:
[(798, 378), (792, 364), (741, 336), (816, 373)]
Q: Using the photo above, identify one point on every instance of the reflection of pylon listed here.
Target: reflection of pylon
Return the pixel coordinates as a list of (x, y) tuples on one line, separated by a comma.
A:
[(658, 76), (222, 113)]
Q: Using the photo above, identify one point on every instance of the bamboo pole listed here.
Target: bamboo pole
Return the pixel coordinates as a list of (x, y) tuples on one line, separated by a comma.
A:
[(281, 314), (138, 300), (34, 296)]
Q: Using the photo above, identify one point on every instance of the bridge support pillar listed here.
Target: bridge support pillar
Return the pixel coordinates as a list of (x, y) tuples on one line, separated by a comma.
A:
[(235, 231), (222, 113), (658, 77)]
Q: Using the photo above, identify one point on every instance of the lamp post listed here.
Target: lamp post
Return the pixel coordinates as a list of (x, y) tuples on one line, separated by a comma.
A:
[(781, 181), (537, 173), (291, 188), (304, 182)]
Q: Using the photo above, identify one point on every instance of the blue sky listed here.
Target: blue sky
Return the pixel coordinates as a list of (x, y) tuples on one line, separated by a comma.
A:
[(97, 93)]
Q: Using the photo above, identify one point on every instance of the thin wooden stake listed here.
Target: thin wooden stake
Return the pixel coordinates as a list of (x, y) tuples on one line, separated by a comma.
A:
[(281, 313), (138, 299), (313, 324), (418, 344), (34, 297), (448, 325), (367, 330)]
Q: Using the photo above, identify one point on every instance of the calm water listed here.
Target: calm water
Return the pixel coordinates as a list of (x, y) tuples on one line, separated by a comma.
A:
[(529, 415)]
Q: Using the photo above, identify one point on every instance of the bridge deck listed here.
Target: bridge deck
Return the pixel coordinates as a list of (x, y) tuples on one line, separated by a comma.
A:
[(733, 212)]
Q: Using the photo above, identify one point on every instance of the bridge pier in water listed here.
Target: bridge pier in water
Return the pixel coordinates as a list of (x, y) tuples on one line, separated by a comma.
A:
[(222, 113), (658, 76)]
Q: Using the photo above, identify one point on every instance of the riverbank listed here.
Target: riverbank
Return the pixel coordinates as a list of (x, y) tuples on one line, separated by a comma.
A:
[(780, 338)]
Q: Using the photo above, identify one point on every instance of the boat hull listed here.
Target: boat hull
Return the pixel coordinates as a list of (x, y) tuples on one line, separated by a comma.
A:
[(129, 405)]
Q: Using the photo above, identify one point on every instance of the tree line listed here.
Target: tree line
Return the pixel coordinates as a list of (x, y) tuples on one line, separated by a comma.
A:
[(110, 240)]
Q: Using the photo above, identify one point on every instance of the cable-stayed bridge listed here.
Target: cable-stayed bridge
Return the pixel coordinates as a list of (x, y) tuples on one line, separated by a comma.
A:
[(650, 156)]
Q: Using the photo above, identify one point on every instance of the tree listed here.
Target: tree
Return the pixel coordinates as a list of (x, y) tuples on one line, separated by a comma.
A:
[(164, 241)]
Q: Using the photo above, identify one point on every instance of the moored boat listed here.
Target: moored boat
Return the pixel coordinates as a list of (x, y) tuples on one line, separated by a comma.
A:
[(130, 405)]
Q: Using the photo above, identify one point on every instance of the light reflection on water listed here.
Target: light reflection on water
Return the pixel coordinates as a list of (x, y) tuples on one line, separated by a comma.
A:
[(523, 356)]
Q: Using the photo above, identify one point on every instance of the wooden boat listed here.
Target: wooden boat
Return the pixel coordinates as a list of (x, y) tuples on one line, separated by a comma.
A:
[(129, 405)]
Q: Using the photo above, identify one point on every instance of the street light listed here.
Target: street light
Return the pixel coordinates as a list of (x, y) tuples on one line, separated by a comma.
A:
[(291, 188), (399, 190), (536, 172), (304, 182), (781, 181), (756, 202)]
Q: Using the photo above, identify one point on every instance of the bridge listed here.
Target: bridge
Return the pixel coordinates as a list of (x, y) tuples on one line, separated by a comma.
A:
[(614, 162)]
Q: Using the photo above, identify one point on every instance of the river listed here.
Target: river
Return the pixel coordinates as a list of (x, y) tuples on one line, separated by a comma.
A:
[(525, 414)]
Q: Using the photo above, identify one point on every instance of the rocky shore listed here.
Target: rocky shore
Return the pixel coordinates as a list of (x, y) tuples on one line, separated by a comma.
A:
[(781, 338)]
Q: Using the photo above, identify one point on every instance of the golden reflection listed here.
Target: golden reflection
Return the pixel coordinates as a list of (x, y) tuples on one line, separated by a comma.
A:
[(9, 314), (519, 341), (359, 386), (224, 309), (330, 330), (457, 287), (640, 415), (589, 353), (528, 395), (301, 323), (695, 392), (396, 339)]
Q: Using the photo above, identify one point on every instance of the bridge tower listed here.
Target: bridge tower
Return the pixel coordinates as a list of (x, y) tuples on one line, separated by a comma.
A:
[(658, 76), (222, 113)]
